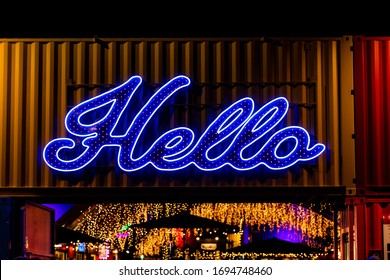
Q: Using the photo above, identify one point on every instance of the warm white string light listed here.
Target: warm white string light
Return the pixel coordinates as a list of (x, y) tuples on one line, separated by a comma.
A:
[(108, 221)]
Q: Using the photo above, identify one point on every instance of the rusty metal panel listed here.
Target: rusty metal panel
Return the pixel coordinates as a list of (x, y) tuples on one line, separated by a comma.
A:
[(42, 79), (372, 92)]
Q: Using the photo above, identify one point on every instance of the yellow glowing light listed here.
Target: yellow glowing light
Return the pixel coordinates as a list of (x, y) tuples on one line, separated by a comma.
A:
[(106, 221)]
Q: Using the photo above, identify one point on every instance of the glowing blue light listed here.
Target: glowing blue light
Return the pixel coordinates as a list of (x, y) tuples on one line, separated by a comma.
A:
[(239, 129)]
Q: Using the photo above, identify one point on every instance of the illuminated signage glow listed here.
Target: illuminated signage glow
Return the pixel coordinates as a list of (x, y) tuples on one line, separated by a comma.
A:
[(239, 134)]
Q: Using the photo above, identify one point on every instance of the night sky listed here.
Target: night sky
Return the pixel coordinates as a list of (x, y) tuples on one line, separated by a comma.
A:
[(72, 19)]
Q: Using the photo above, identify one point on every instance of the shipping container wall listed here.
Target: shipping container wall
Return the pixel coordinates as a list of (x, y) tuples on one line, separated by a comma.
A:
[(372, 95), (41, 80)]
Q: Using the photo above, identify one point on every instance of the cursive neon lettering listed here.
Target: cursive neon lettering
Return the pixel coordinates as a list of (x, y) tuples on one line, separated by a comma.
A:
[(240, 137)]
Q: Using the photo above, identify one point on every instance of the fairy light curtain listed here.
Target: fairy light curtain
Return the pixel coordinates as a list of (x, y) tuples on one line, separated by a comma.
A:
[(113, 222)]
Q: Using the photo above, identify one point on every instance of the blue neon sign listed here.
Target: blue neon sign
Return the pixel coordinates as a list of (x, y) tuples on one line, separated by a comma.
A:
[(240, 129)]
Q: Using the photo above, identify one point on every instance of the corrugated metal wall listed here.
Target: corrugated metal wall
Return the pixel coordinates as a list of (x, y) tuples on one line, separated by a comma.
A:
[(372, 90), (40, 80)]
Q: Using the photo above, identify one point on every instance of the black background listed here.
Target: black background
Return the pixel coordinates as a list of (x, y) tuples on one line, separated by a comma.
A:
[(127, 19)]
